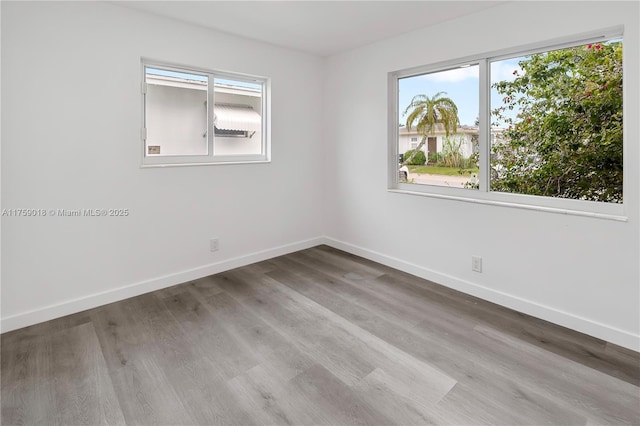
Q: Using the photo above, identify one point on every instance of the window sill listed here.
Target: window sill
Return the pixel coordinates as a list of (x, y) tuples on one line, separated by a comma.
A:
[(487, 201), (212, 163)]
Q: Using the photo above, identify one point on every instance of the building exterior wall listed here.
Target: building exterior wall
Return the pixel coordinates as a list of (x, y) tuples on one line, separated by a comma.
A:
[(176, 119), (406, 141)]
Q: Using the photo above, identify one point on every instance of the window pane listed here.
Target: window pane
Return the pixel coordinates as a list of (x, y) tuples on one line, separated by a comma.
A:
[(438, 128), (237, 117), (557, 123), (175, 113)]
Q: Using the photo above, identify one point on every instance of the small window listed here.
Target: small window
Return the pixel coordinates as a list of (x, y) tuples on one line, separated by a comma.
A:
[(194, 116)]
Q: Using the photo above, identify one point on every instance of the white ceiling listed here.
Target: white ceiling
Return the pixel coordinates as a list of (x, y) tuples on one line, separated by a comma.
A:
[(318, 27)]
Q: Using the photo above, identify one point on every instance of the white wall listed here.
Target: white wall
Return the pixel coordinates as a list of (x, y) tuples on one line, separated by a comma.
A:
[(78, 66), (71, 119), (577, 271)]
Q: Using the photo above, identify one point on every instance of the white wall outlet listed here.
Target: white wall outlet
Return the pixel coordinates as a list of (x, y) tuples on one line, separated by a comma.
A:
[(214, 244), (476, 263)]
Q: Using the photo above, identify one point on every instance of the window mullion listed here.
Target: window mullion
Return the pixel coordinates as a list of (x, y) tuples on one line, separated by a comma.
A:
[(392, 131), (484, 127), (210, 114)]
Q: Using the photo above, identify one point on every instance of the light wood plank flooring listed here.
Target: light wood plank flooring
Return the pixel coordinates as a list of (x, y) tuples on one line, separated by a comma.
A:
[(317, 337)]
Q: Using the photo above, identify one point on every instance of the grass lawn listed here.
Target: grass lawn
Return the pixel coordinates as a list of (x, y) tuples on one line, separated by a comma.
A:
[(441, 170)]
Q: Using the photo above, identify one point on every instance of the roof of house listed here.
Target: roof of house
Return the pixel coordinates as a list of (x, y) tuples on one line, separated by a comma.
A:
[(439, 129), (162, 80)]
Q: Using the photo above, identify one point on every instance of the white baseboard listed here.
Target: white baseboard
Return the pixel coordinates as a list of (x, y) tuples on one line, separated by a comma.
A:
[(574, 322), (583, 325), (80, 304)]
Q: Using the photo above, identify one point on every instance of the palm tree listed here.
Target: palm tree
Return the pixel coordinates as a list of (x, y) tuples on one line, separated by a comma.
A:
[(426, 113)]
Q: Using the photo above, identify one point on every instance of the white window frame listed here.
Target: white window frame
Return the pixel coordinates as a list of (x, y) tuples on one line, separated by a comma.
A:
[(614, 211), (210, 158)]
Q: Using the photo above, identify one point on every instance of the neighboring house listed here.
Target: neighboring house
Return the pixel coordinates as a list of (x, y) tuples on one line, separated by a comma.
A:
[(464, 140), (176, 115)]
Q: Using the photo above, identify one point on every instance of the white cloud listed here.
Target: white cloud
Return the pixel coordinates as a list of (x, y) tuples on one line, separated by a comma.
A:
[(503, 70), (500, 71)]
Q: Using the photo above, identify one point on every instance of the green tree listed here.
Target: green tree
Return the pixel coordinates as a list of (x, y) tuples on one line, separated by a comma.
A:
[(427, 112), (566, 140), (418, 157)]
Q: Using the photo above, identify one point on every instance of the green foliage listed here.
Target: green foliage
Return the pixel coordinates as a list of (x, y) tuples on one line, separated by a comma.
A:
[(451, 155), (415, 157), (472, 161), (467, 163), (426, 112), (435, 158), (567, 138)]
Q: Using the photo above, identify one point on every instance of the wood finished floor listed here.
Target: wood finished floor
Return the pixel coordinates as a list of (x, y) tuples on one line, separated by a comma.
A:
[(317, 337)]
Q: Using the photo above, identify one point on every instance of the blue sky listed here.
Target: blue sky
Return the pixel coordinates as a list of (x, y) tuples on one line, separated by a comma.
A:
[(460, 84)]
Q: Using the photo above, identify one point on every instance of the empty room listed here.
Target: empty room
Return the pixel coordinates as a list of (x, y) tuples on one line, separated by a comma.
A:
[(320, 212)]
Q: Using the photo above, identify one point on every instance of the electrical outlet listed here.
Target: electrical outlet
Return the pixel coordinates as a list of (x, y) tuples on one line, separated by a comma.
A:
[(476, 263), (214, 244)]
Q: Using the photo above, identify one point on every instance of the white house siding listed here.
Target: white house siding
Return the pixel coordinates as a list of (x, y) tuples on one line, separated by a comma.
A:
[(176, 120), (466, 147)]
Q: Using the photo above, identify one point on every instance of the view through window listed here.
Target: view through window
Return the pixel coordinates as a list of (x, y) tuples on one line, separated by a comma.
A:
[(202, 117), (552, 124), (438, 127), (560, 119)]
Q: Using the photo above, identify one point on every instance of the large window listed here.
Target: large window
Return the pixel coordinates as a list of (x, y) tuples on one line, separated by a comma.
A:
[(198, 116), (537, 127)]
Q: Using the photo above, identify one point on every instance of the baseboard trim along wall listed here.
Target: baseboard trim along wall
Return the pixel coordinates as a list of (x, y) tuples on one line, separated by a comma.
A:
[(580, 324), (583, 325), (80, 304)]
